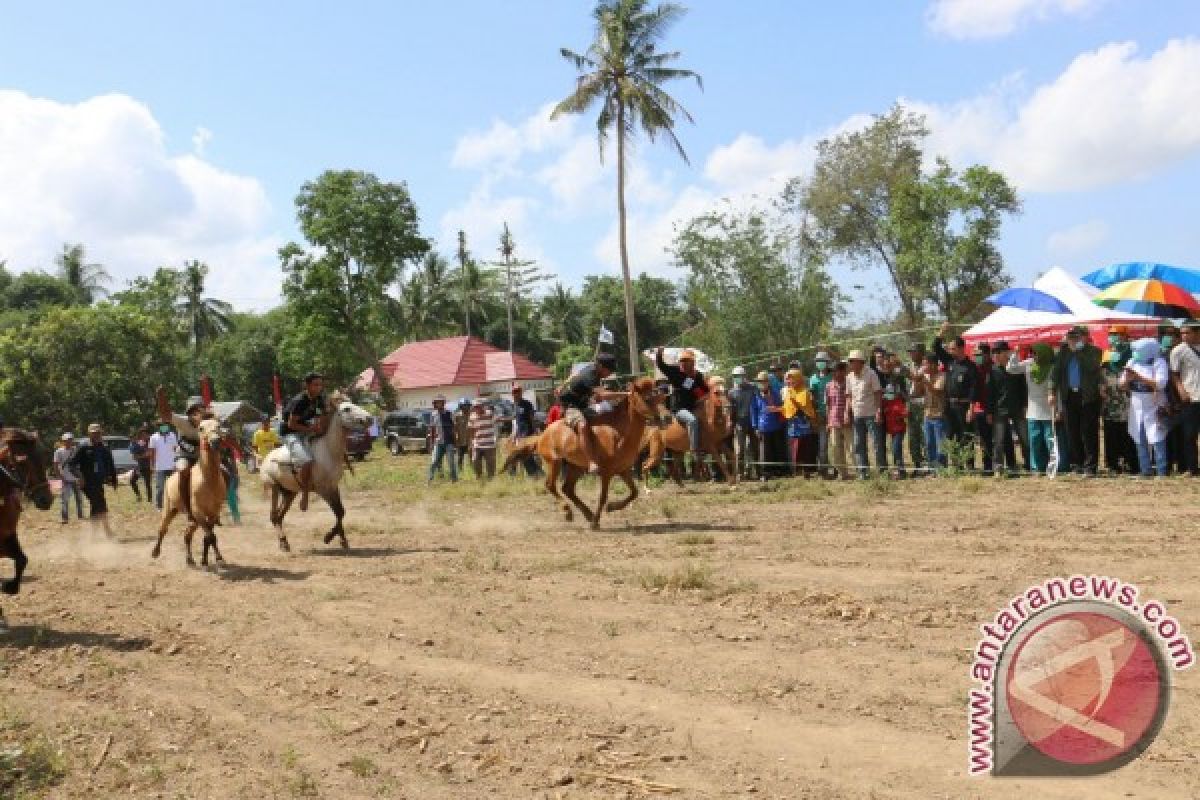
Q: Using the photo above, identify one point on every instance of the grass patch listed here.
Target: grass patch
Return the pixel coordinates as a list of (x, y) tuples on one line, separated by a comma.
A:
[(362, 767), (877, 486), (695, 539), (971, 484), (686, 577), (611, 629), (29, 762)]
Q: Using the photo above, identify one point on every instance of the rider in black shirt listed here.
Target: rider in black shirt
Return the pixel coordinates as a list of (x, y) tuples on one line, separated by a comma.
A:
[(304, 418), (583, 399)]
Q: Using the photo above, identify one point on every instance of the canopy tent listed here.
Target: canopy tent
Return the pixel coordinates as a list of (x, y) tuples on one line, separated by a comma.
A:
[(1180, 276), (1017, 326)]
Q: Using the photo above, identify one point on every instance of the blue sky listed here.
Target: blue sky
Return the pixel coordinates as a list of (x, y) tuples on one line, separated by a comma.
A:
[(158, 132)]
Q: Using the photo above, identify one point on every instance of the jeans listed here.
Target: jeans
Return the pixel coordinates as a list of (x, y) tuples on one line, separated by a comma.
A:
[(1041, 434), (444, 450), (1191, 429), (688, 420), (142, 474), (862, 429), (935, 432), (916, 434), (957, 431), (823, 449), (160, 483), (71, 488), (746, 439), (231, 497), (1021, 428), (983, 430), (897, 441), (1003, 455), (1145, 449)]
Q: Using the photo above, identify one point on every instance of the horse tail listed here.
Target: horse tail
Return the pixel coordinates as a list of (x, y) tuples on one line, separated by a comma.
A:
[(521, 449)]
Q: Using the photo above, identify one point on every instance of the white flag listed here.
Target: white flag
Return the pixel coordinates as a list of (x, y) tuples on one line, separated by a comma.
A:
[(606, 336)]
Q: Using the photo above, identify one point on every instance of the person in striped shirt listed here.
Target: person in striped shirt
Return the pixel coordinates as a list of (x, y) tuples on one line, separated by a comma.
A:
[(482, 427)]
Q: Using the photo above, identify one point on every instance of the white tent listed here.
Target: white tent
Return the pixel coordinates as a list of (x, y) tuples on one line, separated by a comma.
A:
[(1018, 326)]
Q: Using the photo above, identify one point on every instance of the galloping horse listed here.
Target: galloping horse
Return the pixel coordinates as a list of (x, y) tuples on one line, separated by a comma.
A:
[(714, 439), (206, 488), (617, 440), (329, 456), (21, 473)]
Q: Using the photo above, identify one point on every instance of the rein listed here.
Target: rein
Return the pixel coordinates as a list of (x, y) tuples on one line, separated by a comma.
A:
[(11, 472)]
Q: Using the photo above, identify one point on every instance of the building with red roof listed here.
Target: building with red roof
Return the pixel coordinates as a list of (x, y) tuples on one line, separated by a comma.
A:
[(460, 366)]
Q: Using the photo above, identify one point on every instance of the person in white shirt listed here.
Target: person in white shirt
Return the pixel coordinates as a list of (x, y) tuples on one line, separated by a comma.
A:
[(866, 407), (162, 459), (66, 473), (1185, 376), (1039, 413), (1146, 376)]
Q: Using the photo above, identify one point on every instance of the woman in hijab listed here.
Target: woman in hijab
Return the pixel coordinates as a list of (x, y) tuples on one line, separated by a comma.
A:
[(1145, 378), (1038, 413)]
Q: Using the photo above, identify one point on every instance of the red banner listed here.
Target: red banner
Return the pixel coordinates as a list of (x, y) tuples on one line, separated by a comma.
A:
[(205, 390), (276, 393)]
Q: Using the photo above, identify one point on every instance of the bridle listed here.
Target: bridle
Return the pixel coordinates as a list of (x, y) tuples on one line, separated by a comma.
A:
[(10, 470)]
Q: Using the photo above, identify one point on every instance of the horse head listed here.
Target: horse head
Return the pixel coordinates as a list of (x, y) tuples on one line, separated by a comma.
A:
[(22, 459), (351, 416), (210, 432), (644, 398)]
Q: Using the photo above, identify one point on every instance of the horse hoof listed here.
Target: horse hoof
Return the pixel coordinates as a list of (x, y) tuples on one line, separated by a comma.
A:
[(155, 553), (191, 562), (9, 587), (345, 544), (284, 546), (329, 537)]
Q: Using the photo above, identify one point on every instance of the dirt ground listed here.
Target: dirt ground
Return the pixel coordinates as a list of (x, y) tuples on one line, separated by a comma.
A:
[(809, 640)]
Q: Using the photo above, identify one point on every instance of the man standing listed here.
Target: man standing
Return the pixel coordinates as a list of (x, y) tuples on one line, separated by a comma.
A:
[(162, 455), (264, 440), (962, 378), (441, 440), (741, 398), (70, 479), (689, 388), (523, 427), (1077, 378), (930, 383), (817, 385), (769, 425), (305, 419), (1120, 453), (140, 450), (1000, 410), (482, 429), (916, 407), (838, 421), (1185, 375), (866, 408), (462, 430), (93, 462)]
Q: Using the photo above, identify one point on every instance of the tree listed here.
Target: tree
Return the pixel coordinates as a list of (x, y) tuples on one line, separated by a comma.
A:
[(658, 311), (205, 317), (425, 299), (475, 285), (362, 232), (760, 284), (157, 295), (562, 316), (33, 291), (243, 362), (623, 71), (521, 278), (935, 235), (87, 279), (126, 354)]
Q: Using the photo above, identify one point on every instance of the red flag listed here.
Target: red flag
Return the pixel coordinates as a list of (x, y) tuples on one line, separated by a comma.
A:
[(205, 390), (276, 393)]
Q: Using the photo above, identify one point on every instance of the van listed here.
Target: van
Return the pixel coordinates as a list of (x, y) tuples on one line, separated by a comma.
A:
[(407, 430)]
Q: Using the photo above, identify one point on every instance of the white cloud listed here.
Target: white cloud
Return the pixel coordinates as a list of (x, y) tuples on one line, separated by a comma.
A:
[(503, 144), (200, 140), (985, 19), (1110, 117), (99, 172), (482, 216), (1078, 239)]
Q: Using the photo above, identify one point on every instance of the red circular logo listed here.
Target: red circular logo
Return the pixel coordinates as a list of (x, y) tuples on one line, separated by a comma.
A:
[(1085, 688)]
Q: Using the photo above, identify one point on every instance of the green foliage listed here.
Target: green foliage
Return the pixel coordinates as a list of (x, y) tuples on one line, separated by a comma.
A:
[(568, 356), (243, 362), (79, 365), (562, 317), (623, 71), (761, 285), (362, 232), (934, 235), (157, 295), (205, 317), (34, 291), (658, 311), (87, 279)]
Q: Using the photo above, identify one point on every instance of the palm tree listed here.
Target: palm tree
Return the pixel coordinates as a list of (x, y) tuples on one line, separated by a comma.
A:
[(425, 300), (205, 317), (478, 289), (563, 316), (88, 280), (624, 71)]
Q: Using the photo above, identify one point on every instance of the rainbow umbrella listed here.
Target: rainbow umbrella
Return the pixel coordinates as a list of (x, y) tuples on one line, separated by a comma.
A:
[(1150, 298)]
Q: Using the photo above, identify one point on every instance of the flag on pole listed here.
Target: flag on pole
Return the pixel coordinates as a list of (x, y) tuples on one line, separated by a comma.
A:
[(276, 394), (606, 336), (205, 390)]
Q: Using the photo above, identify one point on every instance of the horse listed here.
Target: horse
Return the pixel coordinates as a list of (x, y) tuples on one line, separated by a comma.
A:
[(617, 440), (207, 494), (714, 440), (22, 473), (329, 456)]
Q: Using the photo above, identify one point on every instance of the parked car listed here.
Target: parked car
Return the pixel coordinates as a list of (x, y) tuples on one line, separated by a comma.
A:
[(358, 444), (407, 430), (123, 460)]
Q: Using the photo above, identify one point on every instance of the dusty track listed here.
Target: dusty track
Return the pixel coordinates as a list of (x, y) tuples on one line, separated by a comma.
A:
[(475, 647)]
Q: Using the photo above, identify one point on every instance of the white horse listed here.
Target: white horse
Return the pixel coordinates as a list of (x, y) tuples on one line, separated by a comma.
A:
[(329, 456)]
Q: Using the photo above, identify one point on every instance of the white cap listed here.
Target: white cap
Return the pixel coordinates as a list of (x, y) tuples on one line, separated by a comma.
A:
[(738, 372), (822, 356)]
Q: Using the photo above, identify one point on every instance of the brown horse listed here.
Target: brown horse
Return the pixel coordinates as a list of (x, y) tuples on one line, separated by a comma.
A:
[(207, 489), (714, 440), (617, 440), (22, 474)]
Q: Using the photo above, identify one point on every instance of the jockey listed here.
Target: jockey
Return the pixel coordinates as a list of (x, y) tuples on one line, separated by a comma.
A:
[(689, 388), (187, 449), (304, 420), (582, 400)]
